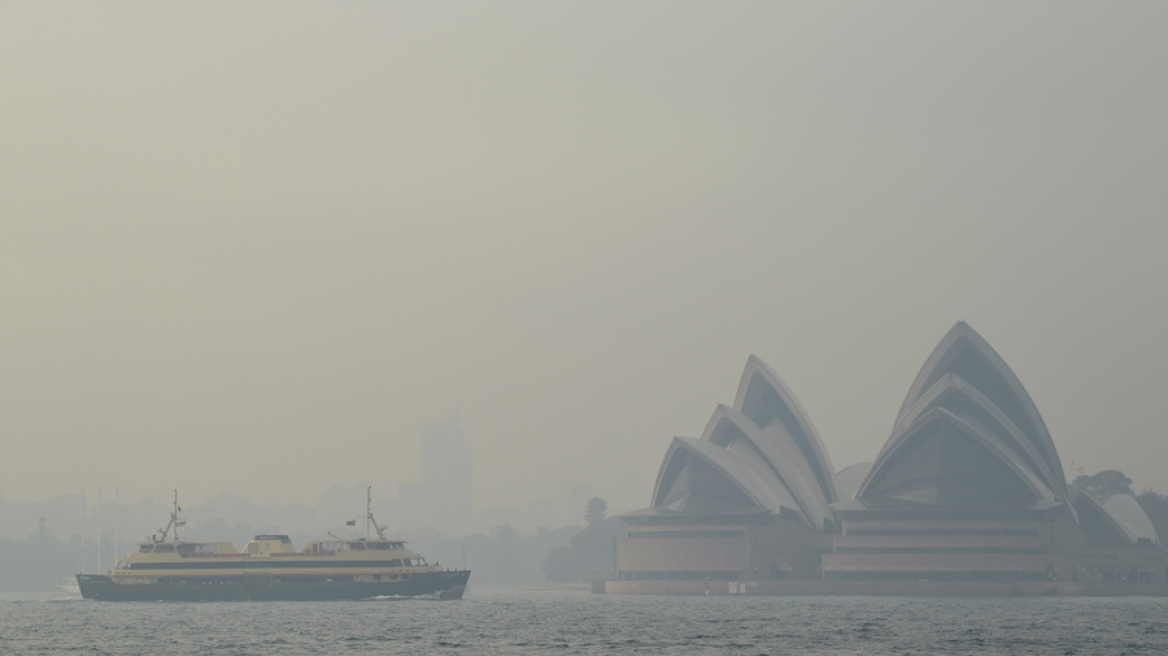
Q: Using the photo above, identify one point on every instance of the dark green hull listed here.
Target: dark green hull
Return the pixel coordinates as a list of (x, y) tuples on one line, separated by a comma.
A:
[(252, 587)]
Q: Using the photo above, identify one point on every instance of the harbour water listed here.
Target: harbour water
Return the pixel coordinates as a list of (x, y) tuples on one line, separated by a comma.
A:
[(506, 621)]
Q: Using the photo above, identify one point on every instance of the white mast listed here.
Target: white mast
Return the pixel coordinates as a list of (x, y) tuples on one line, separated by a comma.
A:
[(174, 522), (369, 515), (177, 510)]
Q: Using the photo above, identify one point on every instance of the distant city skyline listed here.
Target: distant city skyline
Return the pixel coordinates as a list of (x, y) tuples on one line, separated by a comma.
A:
[(442, 501)]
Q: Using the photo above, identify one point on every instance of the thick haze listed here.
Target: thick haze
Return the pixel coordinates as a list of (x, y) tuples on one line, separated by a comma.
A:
[(258, 246)]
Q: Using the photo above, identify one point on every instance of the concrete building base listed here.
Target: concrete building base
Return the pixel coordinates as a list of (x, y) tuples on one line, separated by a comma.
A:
[(885, 588)]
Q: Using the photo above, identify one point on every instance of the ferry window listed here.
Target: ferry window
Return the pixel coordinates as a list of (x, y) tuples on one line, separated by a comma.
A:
[(145, 548), (164, 548), (396, 562)]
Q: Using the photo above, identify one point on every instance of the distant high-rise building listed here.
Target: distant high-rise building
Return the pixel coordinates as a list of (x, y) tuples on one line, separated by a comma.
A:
[(444, 495)]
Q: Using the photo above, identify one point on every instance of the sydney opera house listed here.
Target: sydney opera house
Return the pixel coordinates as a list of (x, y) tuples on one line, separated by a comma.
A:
[(967, 496)]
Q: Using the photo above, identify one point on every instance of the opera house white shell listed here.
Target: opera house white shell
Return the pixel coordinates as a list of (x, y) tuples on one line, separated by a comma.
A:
[(761, 454), (967, 496)]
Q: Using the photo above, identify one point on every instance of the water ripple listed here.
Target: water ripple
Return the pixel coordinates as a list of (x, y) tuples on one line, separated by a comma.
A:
[(515, 622)]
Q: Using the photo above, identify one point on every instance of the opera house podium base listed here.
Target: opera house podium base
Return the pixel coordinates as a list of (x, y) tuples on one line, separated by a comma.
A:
[(888, 588)]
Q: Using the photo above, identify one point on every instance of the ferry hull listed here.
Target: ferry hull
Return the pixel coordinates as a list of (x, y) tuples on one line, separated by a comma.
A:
[(253, 587)]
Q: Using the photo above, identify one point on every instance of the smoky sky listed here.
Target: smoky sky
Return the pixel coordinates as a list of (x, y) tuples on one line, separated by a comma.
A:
[(258, 246)]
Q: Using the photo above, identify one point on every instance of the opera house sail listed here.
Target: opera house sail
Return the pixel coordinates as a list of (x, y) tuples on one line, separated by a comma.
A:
[(967, 496), (750, 499)]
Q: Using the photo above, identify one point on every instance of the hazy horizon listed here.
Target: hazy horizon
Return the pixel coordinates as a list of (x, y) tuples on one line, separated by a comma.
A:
[(258, 247)]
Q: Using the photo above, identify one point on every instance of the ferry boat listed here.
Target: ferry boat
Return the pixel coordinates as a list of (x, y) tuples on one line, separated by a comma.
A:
[(167, 568)]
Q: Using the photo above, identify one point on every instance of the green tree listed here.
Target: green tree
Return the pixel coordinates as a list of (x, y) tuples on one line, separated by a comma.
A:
[(590, 555), (1102, 485), (594, 510)]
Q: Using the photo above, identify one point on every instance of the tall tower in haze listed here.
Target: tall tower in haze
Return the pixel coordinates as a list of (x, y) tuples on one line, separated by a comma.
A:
[(444, 496)]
